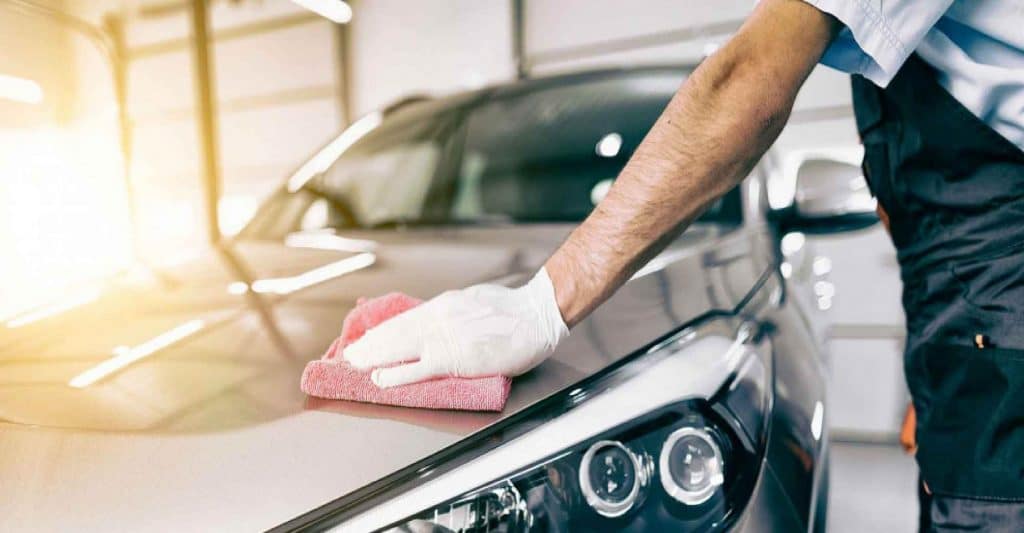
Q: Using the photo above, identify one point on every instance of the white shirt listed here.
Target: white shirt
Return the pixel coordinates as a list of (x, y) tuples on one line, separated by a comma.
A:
[(977, 46)]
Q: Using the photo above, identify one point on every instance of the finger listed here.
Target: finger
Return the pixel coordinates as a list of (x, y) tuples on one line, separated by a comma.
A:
[(405, 374), (394, 340)]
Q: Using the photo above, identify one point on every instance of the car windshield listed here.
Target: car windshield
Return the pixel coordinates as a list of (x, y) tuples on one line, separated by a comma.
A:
[(547, 151), (551, 154)]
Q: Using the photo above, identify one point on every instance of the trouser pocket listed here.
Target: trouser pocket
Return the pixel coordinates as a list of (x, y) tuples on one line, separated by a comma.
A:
[(961, 514), (971, 428), (992, 295)]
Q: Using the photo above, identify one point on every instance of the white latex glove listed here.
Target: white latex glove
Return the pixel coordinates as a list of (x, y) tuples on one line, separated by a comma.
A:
[(484, 330)]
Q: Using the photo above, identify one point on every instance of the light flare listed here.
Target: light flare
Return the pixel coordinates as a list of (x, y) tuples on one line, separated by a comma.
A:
[(126, 357), (20, 90), (314, 277), (817, 420), (330, 153), (63, 203), (333, 10), (609, 145), (56, 308), (329, 241)]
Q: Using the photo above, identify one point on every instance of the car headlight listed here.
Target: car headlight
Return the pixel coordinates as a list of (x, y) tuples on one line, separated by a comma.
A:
[(670, 438)]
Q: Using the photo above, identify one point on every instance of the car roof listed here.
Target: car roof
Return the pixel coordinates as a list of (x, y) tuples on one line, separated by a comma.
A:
[(517, 87)]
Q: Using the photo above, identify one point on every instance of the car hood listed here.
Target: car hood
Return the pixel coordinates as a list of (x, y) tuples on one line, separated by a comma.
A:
[(168, 398)]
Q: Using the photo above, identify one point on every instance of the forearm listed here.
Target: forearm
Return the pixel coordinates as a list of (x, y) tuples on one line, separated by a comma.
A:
[(709, 137)]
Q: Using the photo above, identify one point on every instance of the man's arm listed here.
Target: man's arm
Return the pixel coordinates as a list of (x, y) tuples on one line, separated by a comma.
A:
[(709, 137)]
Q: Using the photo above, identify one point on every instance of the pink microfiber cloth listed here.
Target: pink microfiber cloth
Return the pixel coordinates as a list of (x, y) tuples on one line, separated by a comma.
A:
[(333, 378)]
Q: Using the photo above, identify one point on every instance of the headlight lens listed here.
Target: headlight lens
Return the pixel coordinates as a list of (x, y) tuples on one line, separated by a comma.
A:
[(687, 464), (614, 478), (691, 465)]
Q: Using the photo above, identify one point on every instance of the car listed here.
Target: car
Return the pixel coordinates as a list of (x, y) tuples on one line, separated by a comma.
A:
[(168, 398)]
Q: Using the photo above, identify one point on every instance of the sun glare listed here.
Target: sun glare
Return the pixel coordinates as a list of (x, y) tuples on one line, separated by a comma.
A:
[(63, 212)]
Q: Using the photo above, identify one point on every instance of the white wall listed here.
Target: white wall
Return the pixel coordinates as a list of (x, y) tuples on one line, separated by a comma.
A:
[(439, 46), (560, 24)]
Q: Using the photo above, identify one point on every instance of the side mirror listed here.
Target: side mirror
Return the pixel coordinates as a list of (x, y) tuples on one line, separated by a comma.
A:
[(829, 196)]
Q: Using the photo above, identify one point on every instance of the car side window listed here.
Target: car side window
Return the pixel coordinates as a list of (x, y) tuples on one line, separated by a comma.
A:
[(383, 178)]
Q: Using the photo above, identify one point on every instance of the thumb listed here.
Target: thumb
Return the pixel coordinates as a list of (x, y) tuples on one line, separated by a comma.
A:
[(405, 374)]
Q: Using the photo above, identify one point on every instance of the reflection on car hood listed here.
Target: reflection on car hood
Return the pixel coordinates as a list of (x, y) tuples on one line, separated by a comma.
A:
[(170, 400)]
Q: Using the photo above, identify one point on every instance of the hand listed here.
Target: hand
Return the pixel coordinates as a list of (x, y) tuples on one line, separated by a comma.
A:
[(485, 330)]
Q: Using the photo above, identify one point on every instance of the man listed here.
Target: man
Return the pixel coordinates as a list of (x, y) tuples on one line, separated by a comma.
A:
[(939, 100)]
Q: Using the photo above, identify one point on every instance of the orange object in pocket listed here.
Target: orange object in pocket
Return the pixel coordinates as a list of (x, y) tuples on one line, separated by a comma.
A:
[(908, 432)]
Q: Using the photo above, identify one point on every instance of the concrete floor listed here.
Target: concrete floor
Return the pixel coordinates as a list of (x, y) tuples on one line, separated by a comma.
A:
[(873, 489)]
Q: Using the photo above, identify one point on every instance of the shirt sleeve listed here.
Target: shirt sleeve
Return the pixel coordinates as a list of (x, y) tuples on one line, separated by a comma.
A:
[(880, 34)]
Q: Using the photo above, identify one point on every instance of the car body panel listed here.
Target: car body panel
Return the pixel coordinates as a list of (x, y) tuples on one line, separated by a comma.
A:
[(794, 454), (205, 427)]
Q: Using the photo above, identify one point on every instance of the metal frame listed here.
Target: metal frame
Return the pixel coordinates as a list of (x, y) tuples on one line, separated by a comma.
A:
[(519, 38), (238, 32), (82, 26), (206, 100), (114, 27), (110, 40), (344, 58)]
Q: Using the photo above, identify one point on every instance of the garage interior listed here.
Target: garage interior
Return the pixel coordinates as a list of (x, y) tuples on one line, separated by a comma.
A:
[(140, 131)]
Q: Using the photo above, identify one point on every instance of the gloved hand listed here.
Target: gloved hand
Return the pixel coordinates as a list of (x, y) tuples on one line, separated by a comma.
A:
[(484, 330)]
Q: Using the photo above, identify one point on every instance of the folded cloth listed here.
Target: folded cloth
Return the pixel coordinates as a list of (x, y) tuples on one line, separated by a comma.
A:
[(333, 378)]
